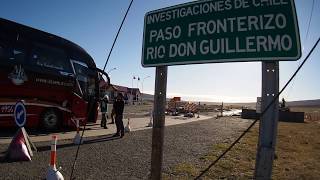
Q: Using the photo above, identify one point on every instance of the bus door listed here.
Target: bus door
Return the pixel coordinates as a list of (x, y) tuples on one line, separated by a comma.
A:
[(86, 90), (93, 95)]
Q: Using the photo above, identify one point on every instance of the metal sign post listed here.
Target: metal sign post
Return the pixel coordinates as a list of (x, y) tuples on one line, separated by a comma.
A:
[(158, 121), (269, 121)]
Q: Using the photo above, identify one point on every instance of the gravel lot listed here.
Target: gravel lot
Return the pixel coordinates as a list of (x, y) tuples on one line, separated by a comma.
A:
[(127, 158)]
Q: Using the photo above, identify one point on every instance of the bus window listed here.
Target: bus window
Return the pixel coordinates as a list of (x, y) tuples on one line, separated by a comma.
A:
[(13, 54), (17, 55), (50, 57), (3, 51)]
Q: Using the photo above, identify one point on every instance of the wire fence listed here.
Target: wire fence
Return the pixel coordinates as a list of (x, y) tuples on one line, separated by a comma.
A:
[(263, 112)]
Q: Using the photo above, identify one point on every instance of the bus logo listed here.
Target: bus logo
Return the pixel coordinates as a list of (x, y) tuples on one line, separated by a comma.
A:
[(18, 76)]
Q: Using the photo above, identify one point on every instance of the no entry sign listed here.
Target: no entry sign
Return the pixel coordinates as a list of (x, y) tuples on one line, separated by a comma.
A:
[(221, 31)]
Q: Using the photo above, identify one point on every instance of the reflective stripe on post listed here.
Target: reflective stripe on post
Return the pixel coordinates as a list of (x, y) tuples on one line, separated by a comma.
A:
[(53, 151)]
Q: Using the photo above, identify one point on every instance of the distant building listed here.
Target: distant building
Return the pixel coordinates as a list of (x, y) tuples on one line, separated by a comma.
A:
[(176, 99), (130, 95), (174, 104), (136, 95), (113, 91), (103, 85)]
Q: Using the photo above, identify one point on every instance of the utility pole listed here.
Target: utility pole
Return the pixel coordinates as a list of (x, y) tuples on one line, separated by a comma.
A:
[(111, 70), (136, 95), (134, 77), (158, 122), (269, 121)]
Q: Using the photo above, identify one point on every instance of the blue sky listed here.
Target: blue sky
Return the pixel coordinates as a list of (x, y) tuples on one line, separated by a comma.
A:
[(93, 25)]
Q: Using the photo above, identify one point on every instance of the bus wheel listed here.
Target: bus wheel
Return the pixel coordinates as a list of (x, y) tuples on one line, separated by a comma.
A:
[(50, 119)]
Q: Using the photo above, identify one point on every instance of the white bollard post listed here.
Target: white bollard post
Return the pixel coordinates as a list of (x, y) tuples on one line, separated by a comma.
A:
[(53, 173), (151, 119), (128, 128), (77, 139)]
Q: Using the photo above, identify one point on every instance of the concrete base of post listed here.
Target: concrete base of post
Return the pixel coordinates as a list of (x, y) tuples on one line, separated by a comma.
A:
[(54, 174), (150, 123), (151, 119), (127, 128)]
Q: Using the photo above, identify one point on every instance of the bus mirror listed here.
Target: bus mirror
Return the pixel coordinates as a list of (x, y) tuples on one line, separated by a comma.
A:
[(104, 73)]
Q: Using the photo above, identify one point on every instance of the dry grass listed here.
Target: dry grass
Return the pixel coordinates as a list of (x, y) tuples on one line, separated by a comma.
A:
[(305, 109), (298, 151), (297, 156)]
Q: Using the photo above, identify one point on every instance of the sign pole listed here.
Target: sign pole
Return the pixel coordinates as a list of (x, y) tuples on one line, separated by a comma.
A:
[(158, 122), (269, 121)]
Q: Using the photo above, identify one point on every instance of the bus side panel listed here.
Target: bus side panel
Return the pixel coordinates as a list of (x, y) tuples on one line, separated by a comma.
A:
[(7, 117), (33, 115)]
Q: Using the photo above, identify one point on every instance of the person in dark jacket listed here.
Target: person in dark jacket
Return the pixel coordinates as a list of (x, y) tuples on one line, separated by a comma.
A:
[(112, 116), (103, 106), (118, 107)]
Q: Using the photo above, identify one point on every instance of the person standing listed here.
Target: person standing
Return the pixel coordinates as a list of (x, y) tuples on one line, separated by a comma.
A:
[(104, 110), (118, 107), (112, 116)]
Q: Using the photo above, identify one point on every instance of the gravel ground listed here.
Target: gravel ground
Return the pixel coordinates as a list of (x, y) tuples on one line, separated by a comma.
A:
[(127, 158)]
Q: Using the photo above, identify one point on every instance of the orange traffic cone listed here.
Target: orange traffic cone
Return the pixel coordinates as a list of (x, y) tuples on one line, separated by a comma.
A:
[(18, 150), (127, 128), (53, 173)]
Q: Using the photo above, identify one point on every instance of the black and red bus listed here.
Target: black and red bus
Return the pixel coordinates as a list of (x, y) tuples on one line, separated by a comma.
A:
[(56, 79)]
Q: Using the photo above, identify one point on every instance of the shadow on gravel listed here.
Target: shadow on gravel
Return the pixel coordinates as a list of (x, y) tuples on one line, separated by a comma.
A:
[(3, 159), (48, 148), (101, 139), (10, 132), (92, 124), (91, 141)]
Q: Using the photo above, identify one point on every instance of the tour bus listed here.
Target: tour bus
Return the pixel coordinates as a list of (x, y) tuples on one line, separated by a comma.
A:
[(57, 80)]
